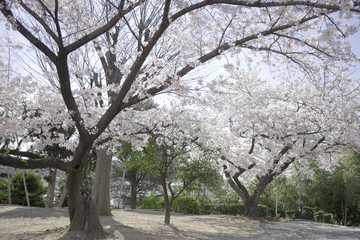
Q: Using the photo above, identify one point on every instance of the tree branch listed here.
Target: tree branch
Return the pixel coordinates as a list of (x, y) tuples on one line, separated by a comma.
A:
[(17, 162), (91, 36), (41, 21), (26, 33)]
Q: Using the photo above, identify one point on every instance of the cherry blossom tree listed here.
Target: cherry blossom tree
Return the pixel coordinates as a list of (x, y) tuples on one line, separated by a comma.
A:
[(259, 129), (188, 34)]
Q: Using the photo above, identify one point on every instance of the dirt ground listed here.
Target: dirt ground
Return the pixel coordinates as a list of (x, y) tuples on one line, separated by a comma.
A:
[(40, 223)]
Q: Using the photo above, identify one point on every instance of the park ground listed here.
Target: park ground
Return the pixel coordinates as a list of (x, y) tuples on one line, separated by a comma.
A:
[(40, 223)]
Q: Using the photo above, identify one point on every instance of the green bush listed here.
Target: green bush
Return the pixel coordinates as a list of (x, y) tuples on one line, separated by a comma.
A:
[(186, 204), (290, 214), (307, 213), (222, 209), (319, 216), (271, 211), (297, 214), (328, 217), (35, 189), (263, 210), (150, 202), (3, 190)]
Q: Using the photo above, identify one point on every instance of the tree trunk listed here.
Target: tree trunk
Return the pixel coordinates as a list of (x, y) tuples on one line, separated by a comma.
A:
[(51, 188), (251, 209), (101, 186), (81, 207), (134, 184), (75, 201), (62, 197), (276, 200), (9, 186), (94, 228), (167, 202), (25, 188), (121, 187), (167, 212)]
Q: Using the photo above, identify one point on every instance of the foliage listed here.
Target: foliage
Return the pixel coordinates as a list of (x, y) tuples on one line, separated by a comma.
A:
[(222, 209), (150, 202), (263, 210), (34, 185), (292, 214), (3, 190), (187, 205), (307, 213), (319, 216)]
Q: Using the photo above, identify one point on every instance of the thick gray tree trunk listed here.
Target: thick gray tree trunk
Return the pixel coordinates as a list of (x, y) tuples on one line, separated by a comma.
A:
[(101, 185), (51, 188), (251, 208)]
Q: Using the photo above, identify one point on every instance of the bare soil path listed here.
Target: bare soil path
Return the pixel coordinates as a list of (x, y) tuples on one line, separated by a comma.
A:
[(39, 223)]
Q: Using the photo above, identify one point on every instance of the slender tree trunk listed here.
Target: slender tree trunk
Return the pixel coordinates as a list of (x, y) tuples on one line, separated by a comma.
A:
[(9, 186), (101, 186), (62, 197), (167, 202), (167, 212), (25, 188), (121, 187), (51, 188), (276, 200), (345, 211), (134, 184)]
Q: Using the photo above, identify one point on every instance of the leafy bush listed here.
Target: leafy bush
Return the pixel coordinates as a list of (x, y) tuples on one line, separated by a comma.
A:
[(297, 214), (263, 210), (186, 204), (150, 202), (290, 214), (222, 209), (35, 188), (328, 217), (3, 190), (307, 213), (319, 216)]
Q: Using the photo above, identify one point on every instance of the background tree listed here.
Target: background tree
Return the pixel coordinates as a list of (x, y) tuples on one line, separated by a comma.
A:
[(136, 173), (259, 129), (177, 171)]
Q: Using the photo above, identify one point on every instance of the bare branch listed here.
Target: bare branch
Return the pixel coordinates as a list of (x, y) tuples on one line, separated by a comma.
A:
[(41, 21), (26, 33), (91, 36)]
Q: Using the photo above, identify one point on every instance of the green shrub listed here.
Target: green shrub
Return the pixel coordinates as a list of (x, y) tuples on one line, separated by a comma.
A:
[(328, 217), (297, 214), (319, 216), (35, 189), (3, 190), (263, 210), (222, 209), (186, 205), (307, 213), (290, 214), (150, 202)]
